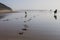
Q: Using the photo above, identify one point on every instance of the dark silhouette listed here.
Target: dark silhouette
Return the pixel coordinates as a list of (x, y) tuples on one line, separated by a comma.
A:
[(55, 16), (24, 29), (55, 11), (21, 33)]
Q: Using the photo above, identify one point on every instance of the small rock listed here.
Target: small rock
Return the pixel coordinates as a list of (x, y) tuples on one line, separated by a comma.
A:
[(24, 29), (21, 33)]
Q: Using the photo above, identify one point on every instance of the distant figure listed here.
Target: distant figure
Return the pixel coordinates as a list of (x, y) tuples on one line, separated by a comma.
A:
[(55, 16), (55, 11)]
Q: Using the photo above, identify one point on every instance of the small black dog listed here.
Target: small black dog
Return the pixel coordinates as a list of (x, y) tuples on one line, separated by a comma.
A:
[(55, 11)]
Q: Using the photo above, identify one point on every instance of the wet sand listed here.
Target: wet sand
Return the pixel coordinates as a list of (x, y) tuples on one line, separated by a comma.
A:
[(30, 26)]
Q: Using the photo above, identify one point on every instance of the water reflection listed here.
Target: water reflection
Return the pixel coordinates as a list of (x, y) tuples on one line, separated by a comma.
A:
[(55, 16), (2, 16)]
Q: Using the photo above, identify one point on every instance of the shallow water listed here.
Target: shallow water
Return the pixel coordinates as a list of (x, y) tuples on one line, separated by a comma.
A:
[(40, 25)]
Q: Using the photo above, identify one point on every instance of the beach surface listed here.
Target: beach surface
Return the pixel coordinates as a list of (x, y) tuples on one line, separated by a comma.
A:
[(29, 25)]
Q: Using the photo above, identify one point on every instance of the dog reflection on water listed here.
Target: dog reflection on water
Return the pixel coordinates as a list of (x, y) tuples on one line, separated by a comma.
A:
[(55, 16)]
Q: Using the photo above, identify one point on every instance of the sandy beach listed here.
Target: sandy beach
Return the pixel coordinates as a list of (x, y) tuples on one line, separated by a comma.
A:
[(39, 25)]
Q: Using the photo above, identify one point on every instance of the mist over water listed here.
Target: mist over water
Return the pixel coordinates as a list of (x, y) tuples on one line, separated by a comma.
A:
[(29, 25)]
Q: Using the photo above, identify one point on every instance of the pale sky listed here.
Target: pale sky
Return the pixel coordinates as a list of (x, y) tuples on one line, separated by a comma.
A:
[(32, 4)]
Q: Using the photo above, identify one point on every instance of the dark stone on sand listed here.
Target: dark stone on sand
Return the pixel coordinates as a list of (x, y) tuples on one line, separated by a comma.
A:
[(21, 33), (24, 29)]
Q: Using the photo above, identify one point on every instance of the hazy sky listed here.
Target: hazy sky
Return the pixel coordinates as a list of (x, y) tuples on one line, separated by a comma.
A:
[(32, 4)]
